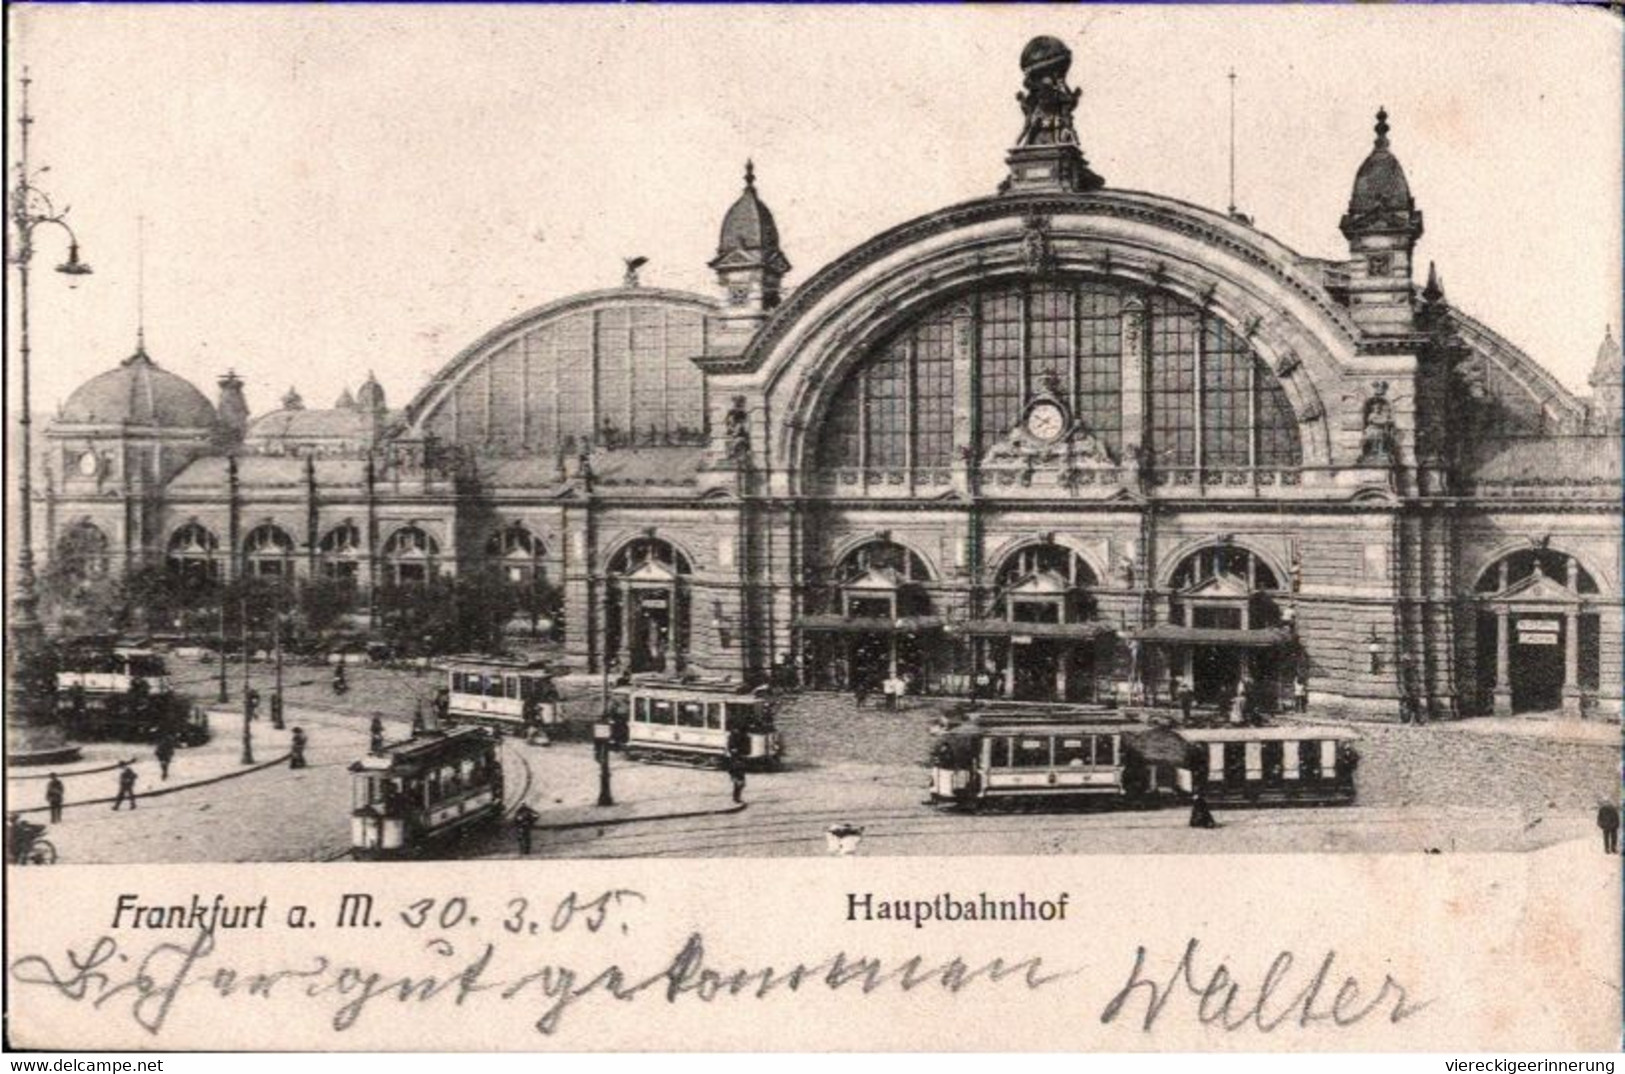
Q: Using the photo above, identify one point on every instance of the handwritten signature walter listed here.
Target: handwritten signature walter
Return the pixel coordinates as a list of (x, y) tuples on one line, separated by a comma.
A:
[(148, 985)]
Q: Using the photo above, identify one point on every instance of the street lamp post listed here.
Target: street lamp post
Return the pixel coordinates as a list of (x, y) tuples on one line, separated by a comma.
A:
[(248, 693), (225, 690), (30, 734), (276, 641)]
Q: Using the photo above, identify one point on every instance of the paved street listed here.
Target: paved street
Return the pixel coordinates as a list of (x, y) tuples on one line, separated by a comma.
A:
[(1451, 787)]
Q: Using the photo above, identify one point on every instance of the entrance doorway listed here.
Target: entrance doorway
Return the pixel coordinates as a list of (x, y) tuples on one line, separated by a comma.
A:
[(1537, 663), (1036, 665), (651, 630), (1215, 671), (869, 660)]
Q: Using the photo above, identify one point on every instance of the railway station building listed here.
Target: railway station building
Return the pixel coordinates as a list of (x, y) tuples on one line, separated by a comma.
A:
[(1062, 439)]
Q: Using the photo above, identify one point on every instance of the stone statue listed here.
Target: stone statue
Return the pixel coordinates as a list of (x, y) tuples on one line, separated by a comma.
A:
[(1377, 441), (1047, 101), (736, 437)]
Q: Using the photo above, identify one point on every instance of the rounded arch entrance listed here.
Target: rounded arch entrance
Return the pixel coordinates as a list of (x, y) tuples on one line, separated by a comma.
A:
[(1227, 633), (1038, 638), (647, 606), (1539, 633), (872, 627)]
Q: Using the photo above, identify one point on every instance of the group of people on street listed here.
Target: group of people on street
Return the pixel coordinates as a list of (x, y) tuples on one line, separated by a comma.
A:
[(893, 688)]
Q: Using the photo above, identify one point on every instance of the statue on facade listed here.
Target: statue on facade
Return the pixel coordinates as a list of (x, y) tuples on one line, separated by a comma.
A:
[(736, 434), (1046, 100), (1377, 441)]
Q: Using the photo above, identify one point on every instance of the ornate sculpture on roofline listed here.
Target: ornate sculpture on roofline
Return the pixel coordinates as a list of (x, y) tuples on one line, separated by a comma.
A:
[(1046, 155), (736, 437)]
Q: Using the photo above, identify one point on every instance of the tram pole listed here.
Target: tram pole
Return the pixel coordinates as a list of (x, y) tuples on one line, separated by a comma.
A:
[(225, 691), (248, 695), (602, 737)]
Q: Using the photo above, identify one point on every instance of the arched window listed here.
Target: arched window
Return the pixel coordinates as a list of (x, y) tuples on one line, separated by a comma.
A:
[(194, 552), (80, 557), (411, 556), (1225, 587), (1210, 402), (268, 552), (517, 554), (1511, 569), (882, 579), (340, 551), (1043, 583), (646, 606)]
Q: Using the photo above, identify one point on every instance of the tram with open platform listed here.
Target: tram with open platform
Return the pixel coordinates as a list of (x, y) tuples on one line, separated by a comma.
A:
[(507, 694), (412, 795), (110, 691), (1289, 764), (695, 721)]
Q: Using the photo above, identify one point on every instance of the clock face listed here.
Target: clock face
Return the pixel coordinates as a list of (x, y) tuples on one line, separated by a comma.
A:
[(89, 464), (1046, 421)]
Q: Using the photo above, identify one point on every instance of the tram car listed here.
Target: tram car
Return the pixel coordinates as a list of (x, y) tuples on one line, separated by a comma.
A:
[(692, 721), (411, 795), (1278, 765), (502, 693), (1038, 752), (120, 692)]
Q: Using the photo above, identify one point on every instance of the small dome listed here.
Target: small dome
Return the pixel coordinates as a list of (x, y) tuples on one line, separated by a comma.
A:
[(138, 392), (293, 400), (749, 224), (1379, 185), (1610, 360), (345, 401), (370, 396)]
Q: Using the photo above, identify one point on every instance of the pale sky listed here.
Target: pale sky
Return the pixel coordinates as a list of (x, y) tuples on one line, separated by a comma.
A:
[(334, 189)]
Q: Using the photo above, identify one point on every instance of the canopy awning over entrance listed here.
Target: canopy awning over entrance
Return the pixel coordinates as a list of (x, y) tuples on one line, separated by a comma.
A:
[(840, 624), (1172, 634), (1003, 628)]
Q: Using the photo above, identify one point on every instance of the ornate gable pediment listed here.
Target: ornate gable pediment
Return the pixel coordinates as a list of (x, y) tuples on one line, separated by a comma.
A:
[(1538, 588), (1220, 586)]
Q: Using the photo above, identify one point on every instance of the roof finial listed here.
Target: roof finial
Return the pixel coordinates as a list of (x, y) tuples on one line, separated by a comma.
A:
[(1434, 291), (1232, 141), (750, 174), (1382, 127), (141, 284)]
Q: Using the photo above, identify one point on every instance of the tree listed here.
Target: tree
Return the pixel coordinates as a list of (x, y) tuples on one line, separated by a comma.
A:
[(323, 604)]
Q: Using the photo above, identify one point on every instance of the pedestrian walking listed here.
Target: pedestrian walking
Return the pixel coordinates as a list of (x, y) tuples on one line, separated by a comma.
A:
[(296, 749), (1300, 694), (54, 793), (524, 820), (860, 691), (251, 702), (126, 786), (341, 684), (1201, 815), (1608, 821), (165, 754), (1187, 697), (736, 775), (376, 732)]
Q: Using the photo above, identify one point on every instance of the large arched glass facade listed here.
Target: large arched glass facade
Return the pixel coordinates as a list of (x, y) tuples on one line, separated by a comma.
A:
[(1208, 399)]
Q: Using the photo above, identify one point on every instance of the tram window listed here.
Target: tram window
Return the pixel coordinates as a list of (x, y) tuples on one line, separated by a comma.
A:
[(457, 684), (713, 715), (467, 771), (690, 714), (1030, 753), (999, 753), (493, 686), (1274, 762), (1291, 759), (1328, 759), (1105, 750), (510, 686), (1309, 759), (1073, 752), (1235, 763), (641, 709), (741, 715), (660, 711), (146, 666)]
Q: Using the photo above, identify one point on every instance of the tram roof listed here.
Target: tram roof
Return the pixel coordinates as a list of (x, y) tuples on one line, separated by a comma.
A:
[(663, 684), (475, 662), (1082, 727), (1278, 733), (426, 747), (1044, 711)]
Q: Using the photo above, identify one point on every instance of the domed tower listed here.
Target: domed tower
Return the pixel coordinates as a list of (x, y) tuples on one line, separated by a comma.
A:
[(114, 444), (233, 409), (370, 396), (749, 264), (1382, 225), (1606, 412)]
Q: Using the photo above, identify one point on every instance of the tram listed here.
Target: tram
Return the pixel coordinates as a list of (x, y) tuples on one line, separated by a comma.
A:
[(411, 795), (120, 692), (1291, 764), (1007, 753), (694, 721), (503, 693)]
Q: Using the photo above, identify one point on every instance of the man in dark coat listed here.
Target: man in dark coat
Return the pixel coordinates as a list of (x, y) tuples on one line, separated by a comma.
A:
[(524, 819), (736, 775), (376, 731), (1201, 815), (296, 748), (126, 786), (1608, 821), (165, 754), (54, 793)]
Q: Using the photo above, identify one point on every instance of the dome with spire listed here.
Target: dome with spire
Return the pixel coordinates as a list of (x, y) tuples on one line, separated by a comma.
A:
[(139, 392), (1381, 200), (293, 400), (1610, 365), (749, 226), (370, 396)]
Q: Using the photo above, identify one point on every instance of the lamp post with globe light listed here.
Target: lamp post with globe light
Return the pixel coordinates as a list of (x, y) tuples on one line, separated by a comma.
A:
[(31, 734)]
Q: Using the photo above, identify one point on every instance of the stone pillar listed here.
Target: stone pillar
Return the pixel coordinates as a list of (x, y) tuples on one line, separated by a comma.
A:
[(1571, 663), (1503, 663), (1133, 378)]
